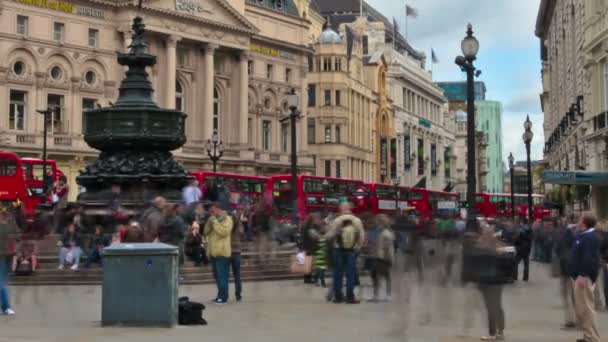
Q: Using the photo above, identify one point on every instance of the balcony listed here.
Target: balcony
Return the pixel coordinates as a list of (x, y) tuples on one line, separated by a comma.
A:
[(20, 140)]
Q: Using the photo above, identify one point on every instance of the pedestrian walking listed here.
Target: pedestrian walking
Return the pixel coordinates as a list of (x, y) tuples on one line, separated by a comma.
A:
[(236, 241), (523, 248), (321, 258), (62, 191), (152, 219), (191, 195), (310, 235), (491, 288), (348, 234), (8, 230), (383, 256), (585, 269), (563, 251), (173, 230), (261, 224), (604, 260), (218, 231)]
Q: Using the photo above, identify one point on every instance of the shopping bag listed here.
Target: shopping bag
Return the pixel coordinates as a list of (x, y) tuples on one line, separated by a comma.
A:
[(301, 263)]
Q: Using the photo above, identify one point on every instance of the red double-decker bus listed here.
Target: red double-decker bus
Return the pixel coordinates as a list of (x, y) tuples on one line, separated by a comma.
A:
[(243, 191), (430, 203), (315, 194), (12, 180), (33, 170), (499, 205), (384, 198)]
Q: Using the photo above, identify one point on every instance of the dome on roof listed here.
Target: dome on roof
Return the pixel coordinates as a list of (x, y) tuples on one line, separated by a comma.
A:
[(461, 116), (329, 36)]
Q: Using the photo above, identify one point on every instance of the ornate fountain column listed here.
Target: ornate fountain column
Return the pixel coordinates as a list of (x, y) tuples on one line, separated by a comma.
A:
[(135, 139)]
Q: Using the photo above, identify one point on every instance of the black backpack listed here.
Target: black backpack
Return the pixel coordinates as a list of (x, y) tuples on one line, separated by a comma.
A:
[(190, 313)]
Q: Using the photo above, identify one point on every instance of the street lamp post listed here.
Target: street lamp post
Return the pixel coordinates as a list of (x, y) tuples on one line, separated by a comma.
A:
[(527, 137), (292, 103), (470, 47), (215, 149), (396, 182), (511, 170), (325, 185), (45, 180)]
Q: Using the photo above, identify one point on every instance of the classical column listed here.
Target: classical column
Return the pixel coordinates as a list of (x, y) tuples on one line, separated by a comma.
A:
[(208, 95), (243, 96), (171, 66), (303, 122)]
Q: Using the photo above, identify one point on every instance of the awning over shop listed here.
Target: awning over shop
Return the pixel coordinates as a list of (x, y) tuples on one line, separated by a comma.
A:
[(576, 177)]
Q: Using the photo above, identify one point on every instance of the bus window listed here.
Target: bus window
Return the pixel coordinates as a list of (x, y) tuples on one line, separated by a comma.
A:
[(414, 196), (480, 199), (8, 167), (385, 192)]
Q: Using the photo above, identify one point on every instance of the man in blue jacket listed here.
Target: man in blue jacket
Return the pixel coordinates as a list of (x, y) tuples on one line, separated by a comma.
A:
[(584, 269)]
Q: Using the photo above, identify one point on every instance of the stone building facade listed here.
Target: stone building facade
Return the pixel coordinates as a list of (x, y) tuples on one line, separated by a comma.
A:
[(573, 55), (594, 151), (460, 153), (227, 63), (350, 112)]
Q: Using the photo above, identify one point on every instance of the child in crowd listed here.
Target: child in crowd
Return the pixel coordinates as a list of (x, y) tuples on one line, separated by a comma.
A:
[(321, 257)]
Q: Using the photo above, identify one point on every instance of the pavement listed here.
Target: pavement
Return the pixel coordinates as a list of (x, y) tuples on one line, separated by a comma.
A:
[(434, 311)]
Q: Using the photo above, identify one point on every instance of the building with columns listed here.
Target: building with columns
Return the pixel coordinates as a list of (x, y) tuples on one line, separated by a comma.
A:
[(226, 63)]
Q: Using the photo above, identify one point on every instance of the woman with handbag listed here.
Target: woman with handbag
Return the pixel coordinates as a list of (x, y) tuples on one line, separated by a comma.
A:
[(8, 229)]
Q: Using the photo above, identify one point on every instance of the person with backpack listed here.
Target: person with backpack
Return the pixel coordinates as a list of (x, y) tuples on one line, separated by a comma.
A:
[(348, 234)]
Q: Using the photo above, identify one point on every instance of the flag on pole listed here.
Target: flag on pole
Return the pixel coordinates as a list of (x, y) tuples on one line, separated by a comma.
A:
[(411, 12), (434, 58), (350, 42)]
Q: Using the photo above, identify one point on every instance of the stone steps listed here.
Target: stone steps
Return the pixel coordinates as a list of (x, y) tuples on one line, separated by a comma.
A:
[(276, 267), (283, 275)]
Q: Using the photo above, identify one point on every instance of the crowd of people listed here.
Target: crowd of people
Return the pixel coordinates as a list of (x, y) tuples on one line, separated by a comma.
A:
[(575, 249), (210, 231)]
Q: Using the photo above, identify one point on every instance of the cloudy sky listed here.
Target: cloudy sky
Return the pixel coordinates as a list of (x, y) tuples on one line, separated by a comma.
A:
[(508, 57)]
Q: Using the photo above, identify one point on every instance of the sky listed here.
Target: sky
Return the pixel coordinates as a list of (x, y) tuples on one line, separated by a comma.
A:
[(509, 55)]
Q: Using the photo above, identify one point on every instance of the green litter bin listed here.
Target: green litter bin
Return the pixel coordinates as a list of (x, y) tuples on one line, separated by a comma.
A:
[(140, 285)]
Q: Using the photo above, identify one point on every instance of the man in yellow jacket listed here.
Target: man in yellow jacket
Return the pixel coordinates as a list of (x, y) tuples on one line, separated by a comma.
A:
[(217, 231)]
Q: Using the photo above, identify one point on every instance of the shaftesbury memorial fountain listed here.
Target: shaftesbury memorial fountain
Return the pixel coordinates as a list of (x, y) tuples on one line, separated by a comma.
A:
[(135, 138)]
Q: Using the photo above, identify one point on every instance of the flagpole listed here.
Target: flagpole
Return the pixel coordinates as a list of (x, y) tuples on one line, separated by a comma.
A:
[(394, 32), (432, 62), (361, 8), (406, 21)]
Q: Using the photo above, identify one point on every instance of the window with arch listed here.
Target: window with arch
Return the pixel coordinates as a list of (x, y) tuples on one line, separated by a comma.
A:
[(217, 109), (179, 96)]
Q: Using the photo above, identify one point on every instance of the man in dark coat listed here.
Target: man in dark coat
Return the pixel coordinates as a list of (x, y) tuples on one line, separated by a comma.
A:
[(585, 264), (523, 247)]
